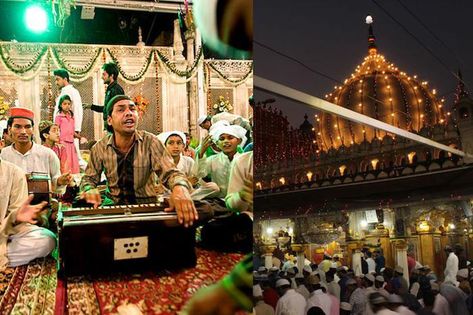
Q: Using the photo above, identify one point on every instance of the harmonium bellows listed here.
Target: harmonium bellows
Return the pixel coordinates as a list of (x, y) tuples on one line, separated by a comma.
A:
[(125, 238)]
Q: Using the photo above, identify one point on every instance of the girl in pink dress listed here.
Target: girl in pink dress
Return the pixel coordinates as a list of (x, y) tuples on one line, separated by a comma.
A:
[(65, 121)]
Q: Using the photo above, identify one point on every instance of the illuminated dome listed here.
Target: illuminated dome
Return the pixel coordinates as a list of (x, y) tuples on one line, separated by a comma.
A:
[(380, 90)]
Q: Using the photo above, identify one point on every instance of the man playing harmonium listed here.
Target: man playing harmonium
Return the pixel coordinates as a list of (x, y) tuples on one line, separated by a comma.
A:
[(131, 159)]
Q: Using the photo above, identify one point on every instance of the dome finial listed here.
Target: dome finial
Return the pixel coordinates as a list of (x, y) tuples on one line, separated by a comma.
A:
[(371, 39), (460, 90)]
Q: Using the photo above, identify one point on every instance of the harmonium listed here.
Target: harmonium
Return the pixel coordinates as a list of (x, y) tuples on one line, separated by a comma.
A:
[(126, 238)]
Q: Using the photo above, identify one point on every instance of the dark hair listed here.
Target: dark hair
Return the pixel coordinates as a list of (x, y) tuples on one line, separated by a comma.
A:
[(109, 107), (42, 132), (63, 98), (10, 121), (315, 310), (112, 70), (62, 73)]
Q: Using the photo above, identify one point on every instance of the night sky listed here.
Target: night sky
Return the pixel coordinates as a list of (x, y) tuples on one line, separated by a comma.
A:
[(331, 37)]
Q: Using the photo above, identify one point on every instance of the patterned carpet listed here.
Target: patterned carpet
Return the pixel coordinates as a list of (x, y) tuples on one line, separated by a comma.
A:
[(35, 288)]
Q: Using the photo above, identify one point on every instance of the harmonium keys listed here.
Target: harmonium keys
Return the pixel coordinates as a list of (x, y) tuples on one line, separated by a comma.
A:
[(119, 214)]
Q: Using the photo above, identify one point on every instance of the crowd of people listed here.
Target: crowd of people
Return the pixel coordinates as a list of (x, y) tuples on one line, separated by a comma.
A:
[(134, 165), (330, 287)]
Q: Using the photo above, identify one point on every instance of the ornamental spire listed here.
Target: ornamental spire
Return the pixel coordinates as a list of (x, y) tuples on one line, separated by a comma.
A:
[(460, 90), (372, 50)]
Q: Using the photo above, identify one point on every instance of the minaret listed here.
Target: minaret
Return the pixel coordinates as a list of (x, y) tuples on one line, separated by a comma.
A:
[(464, 117), (372, 49)]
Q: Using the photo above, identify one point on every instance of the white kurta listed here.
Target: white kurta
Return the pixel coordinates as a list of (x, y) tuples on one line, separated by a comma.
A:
[(25, 241), (451, 268), (185, 165), (320, 299), (291, 303), (242, 170), (217, 167), (39, 159)]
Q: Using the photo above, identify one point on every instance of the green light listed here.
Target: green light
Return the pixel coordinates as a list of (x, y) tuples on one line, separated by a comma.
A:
[(36, 19)]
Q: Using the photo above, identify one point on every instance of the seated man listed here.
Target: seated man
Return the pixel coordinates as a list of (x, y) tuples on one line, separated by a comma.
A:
[(20, 240), (174, 142), (29, 156), (131, 159)]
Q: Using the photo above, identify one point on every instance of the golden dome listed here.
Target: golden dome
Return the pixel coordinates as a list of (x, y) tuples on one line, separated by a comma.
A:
[(380, 90)]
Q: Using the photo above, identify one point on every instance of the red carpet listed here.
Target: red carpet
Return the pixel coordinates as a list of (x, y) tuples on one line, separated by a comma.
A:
[(35, 288)]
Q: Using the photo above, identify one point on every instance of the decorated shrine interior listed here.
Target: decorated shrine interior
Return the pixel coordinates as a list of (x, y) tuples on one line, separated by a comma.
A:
[(172, 76)]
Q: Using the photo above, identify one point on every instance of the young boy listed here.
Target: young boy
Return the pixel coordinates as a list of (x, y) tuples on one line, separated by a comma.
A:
[(218, 166), (229, 232), (49, 134), (174, 142)]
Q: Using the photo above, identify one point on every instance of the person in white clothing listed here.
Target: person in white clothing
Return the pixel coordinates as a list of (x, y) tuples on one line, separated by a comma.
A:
[(290, 302), (29, 156), (441, 306), (218, 166), (371, 262), (20, 240), (174, 142), (317, 296), (301, 288), (451, 267), (62, 81), (240, 186), (261, 308)]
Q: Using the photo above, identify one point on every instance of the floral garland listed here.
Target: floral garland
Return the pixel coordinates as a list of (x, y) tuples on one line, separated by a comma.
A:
[(85, 71), (171, 66), (75, 71), (18, 69), (140, 74), (142, 104), (227, 79), (223, 105), (4, 107)]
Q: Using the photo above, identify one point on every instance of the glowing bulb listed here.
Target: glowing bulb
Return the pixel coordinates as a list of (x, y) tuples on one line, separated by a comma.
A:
[(269, 230), (451, 226)]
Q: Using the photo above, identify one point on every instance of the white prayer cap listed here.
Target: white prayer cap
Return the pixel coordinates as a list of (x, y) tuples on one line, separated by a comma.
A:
[(463, 273), (202, 119), (234, 130), (257, 291), (282, 282), (468, 263), (314, 273), (274, 268), (370, 277), (307, 269), (379, 278), (345, 306), (218, 124), (382, 269), (262, 269), (333, 265), (163, 136)]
